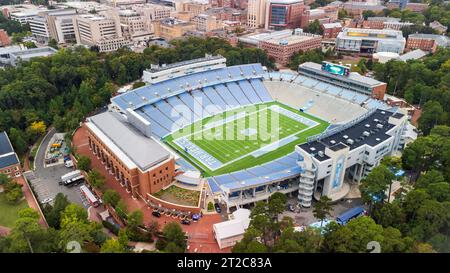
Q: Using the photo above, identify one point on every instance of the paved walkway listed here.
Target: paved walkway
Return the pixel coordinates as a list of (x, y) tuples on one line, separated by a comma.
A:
[(200, 234), (32, 203), (4, 231)]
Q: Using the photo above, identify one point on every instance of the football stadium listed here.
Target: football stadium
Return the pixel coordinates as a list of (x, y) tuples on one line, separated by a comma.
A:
[(247, 132)]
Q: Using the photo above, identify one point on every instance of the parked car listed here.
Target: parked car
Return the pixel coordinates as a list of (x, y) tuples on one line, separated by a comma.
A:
[(156, 214), (185, 222), (291, 207), (217, 207), (47, 200)]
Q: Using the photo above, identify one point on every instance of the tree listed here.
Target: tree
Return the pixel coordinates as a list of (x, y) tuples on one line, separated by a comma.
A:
[(73, 213), (112, 246), (389, 215), (121, 209), (314, 28), (433, 114), (373, 187), (54, 215), (368, 13), (250, 244), (322, 209), (13, 191), (84, 163), (53, 43), (138, 84), (173, 233), (111, 197), (96, 179)]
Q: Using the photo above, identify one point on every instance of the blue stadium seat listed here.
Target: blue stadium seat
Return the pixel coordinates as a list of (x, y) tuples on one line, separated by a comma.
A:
[(249, 92), (261, 89), (226, 95), (237, 93), (215, 98)]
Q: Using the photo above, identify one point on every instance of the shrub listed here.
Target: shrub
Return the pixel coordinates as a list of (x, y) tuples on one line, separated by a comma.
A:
[(111, 227), (210, 206)]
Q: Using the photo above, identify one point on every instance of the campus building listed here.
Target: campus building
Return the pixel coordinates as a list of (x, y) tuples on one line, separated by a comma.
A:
[(331, 30), (427, 42), (369, 41), (385, 23), (99, 30), (172, 28), (283, 14), (352, 81), (9, 162), (327, 14), (347, 153), (137, 161), (283, 47), (256, 13)]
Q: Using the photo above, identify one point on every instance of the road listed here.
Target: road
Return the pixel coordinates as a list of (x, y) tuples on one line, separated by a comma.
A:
[(45, 179)]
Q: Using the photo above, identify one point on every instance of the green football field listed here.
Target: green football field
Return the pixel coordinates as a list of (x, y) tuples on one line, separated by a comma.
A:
[(245, 137)]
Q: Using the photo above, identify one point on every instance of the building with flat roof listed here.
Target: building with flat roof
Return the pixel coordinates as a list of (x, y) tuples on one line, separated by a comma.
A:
[(283, 14), (327, 14), (171, 28), (385, 23), (9, 162), (256, 13), (124, 144), (353, 81), (427, 42), (283, 47), (28, 54), (331, 30), (165, 72), (369, 41), (348, 153), (103, 31), (230, 232)]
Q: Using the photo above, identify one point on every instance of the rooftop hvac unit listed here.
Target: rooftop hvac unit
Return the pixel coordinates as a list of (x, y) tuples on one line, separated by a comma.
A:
[(320, 153), (242, 73), (229, 75), (144, 98), (332, 141), (376, 120), (383, 112), (367, 125), (254, 72), (377, 139), (350, 141), (365, 133), (312, 149), (345, 136), (379, 126)]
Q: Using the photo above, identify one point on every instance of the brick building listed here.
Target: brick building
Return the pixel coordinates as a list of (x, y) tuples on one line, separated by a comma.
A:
[(283, 14), (331, 30), (9, 162), (281, 48), (138, 162), (426, 42)]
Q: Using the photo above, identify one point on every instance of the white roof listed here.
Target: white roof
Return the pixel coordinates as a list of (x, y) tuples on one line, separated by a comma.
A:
[(243, 215), (332, 25), (229, 229)]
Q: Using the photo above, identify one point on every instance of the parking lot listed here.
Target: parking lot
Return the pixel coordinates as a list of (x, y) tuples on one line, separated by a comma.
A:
[(45, 179), (304, 216)]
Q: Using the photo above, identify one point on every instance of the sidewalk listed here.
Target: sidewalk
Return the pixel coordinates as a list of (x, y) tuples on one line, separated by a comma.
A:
[(32, 202)]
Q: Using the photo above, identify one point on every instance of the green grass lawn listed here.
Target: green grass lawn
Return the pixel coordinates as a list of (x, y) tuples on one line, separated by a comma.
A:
[(231, 140), (8, 212)]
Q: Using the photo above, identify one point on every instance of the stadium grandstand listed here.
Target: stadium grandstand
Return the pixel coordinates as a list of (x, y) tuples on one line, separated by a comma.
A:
[(210, 119)]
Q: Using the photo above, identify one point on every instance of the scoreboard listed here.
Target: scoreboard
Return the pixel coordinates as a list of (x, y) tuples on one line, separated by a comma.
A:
[(335, 69)]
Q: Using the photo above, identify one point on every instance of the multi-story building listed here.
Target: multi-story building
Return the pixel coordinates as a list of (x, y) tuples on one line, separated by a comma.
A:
[(256, 13), (172, 28), (401, 4), (283, 14), (4, 38), (132, 22), (192, 8), (27, 54), (440, 28), (369, 41), (137, 161), (385, 23), (427, 42), (39, 29), (327, 14), (348, 153), (207, 23), (9, 162), (331, 30), (282, 47), (356, 8), (162, 73), (353, 81), (24, 16), (99, 30)]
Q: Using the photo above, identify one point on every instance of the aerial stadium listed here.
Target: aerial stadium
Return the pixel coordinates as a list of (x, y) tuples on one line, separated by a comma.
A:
[(247, 132)]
